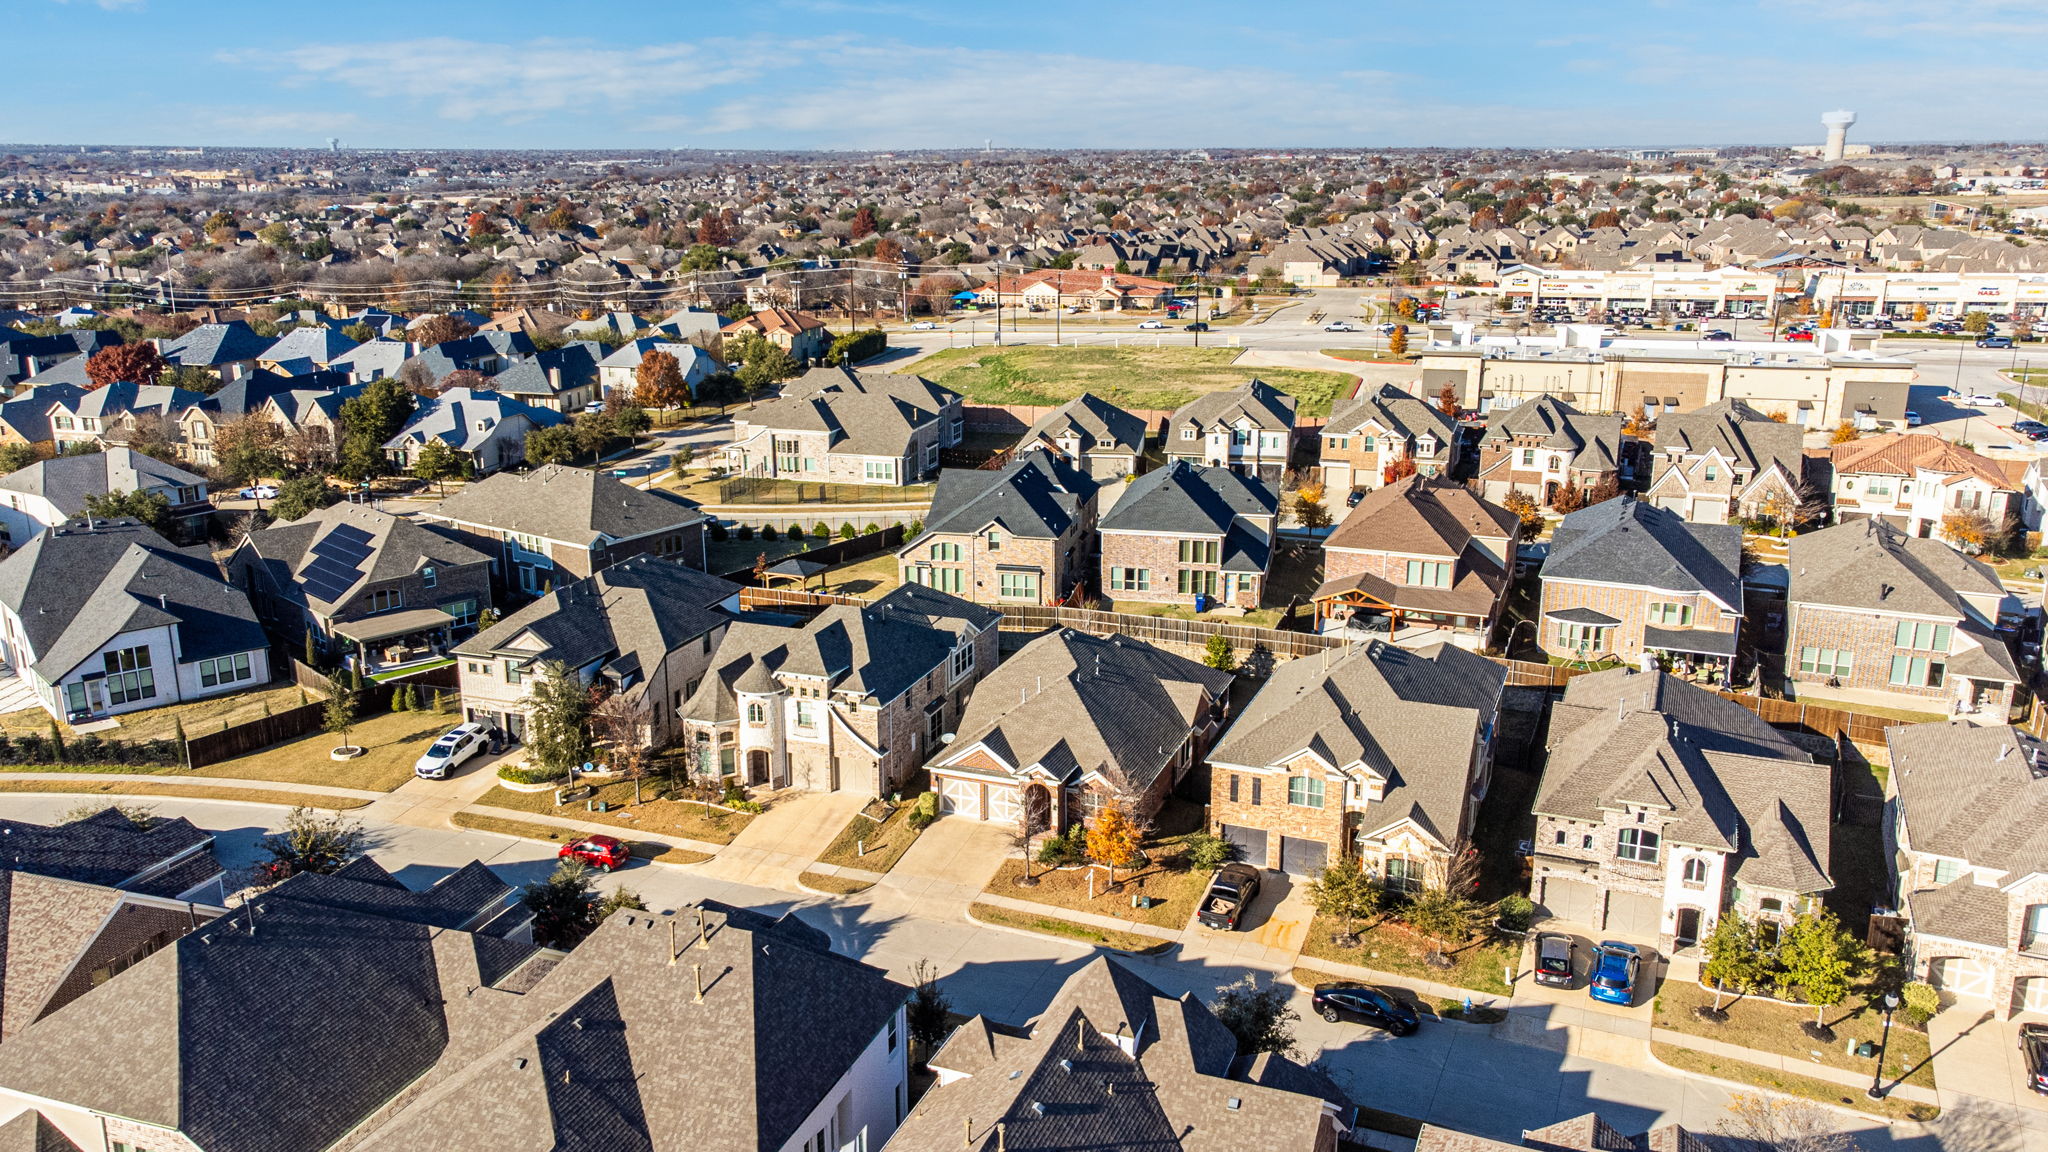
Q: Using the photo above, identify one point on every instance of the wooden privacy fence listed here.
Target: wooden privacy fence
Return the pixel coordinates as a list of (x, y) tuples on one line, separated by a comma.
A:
[(752, 598), (252, 735), (837, 552), (1835, 723), (1165, 629)]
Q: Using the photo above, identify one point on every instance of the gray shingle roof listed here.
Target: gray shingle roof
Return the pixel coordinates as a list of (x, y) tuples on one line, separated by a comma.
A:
[(66, 481), (76, 587), (1626, 541), (1870, 564), (856, 649), (1745, 436), (396, 547), (866, 413), (1035, 496), (104, 848), (1971, 793), (211, 345), (573, 505), (629, 615), (1091, 419), (1411, 717), (1962, 910), (1184, 499), (1394, 410), (461, 417), (1264, 405), (1594, 442)]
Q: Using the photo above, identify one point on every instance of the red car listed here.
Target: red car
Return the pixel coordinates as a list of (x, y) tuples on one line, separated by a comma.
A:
[(1799, 336), (603, 853)]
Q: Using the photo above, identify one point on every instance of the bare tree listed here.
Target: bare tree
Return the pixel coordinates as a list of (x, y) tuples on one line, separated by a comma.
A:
[(616, 721), (1781, 1124)]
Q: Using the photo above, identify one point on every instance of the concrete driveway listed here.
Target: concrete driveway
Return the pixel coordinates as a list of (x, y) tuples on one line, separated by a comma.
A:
[(949, 865), (1977, 1062), (1270, 932), (780, 843)]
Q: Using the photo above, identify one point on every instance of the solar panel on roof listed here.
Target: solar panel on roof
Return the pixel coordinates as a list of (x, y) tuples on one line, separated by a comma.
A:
[(338, 562)]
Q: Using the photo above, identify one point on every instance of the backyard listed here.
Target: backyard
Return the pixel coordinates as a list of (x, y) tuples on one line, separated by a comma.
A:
[(1157, 378), (660, 817), (199, 717)]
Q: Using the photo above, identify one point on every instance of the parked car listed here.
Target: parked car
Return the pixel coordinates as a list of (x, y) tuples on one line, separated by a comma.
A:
[(2031, 429), (1230, 892), (1615, 968), (1805, 335), (1340, 326), (1994, 342), (1718, 334), (1367, 1005), (447, 754), (1555, 952), (1197, 326), (2034, 1050), (259, 492), (1153, 324), (1356, 495), (923, 326), (1986, 400), (1912, 418), (603, 853)]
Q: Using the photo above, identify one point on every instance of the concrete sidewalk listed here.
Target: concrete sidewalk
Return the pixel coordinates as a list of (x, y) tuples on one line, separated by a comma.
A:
[(209, 781)]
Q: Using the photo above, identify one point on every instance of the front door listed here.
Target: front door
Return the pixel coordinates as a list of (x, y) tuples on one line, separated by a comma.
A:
[(757, 766), (1688, 932)]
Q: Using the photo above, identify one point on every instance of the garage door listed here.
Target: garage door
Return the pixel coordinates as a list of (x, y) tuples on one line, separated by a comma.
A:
[(959, 797), (1573, 900), (1300, 857), (1705, 511), (1634, 914), (1960, 976), (1004, 805), (1249, 842), (2031, 995)]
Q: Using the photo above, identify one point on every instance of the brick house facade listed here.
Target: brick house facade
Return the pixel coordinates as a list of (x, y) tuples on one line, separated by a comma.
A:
[(1372, 431), (1624, 578), (840, 426), (1545, 445), (1185, 531), (1022, 535)]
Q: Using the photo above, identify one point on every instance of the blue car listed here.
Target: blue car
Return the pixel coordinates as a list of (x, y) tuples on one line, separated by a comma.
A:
[(1614, 973)]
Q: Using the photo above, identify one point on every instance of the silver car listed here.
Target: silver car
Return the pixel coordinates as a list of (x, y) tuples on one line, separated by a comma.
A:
[(455, 746)]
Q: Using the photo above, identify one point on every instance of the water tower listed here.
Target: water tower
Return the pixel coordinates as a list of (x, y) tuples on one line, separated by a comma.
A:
[(1837, 124)]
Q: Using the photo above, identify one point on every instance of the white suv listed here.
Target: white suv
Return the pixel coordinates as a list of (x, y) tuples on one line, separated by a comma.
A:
[(456, 745)]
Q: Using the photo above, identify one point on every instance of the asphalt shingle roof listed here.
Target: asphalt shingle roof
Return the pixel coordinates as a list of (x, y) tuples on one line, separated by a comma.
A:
[(630, 615), (572, 505), (1184, 499), (1255, 400), (66, 481), (396, 547), (1036, 496), (1626, 541), (1971, 793)]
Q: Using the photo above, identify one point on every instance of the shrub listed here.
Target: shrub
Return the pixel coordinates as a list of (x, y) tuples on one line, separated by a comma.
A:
[(1919, 1003), (1064, 851), (1207, 850), (750, 807), (1515, 912), (718, 532), (767, 532), (923, 811), (534, 775), (745, 532)]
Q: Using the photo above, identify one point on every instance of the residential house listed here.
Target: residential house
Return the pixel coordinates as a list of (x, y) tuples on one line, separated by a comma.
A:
[(618, 372), (1916, 482), (1187, 534), (1663, 805), (1023, 533), (317, 344), (1872, 608), (230, 351), (102, 618), (1967, 842), (1588, 1133), (28, 418), (96, 416), (49, 492), (561, 380), (800, 334), (1625, 578), (556, 524), (199, 424), (645, 626), (24, 357), (1421, 560), (486, 429), (354, 577), (1093, 435), (1045, 289), (1380, 755), (374, 360), (853, 701), (845, 427), (1248, 429), (1727, 460), (1160, 1072), (1368, 434), (1072, 722), (166, 857), (1541, 447)]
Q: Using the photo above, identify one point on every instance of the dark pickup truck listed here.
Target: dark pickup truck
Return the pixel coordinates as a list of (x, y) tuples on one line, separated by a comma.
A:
[(1229, 894)]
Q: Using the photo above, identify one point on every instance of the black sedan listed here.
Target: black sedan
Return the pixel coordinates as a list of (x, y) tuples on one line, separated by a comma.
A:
[(1367, 1005), (2034, 1050), (1197, 326), (1554, 955)]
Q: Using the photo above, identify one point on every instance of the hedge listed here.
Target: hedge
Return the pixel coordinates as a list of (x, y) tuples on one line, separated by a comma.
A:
[(89, 751), (855, 347)]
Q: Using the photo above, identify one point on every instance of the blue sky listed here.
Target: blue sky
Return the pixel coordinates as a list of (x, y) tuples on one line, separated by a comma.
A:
[(909, 74)]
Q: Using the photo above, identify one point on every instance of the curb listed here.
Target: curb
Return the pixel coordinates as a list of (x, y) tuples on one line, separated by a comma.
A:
[(1162, 949), (1650, 1051), (147, 797), (831, 895)]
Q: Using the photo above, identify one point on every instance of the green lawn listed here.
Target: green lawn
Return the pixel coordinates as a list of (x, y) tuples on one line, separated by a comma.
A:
[(1162, 378), (1769, 1026), (1389, 947), (394, 739)]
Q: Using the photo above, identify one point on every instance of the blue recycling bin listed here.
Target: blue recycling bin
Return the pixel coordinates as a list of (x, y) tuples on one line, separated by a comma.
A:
[(1201, 601)]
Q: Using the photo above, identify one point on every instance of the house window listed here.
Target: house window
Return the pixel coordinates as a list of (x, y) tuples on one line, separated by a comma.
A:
[(1130, 579), (529, 543), (385, 599), (1304, 792), (1946, 871), (1339, 443), (63, 423), (1583, 637), (1923, 635), (1671, 615), (756, 714), (1257, 789), (1233, 788), (1187, 433), (1711, 474), (478, 669), (1196, 581), (963, 659), (225, 670), (1918, 672), (1200, 551), (1403, 875), (1696, 872), (879, 471), (1638, 844), (945, 551), (892, 1033), (129, 676), (1365, 444), (1018, 585), (1825, 661), (2034, 929), (995, 540), (1429, 574), (429, 577), (1875, 486), (806, 714), (514, 674), (788, 456)]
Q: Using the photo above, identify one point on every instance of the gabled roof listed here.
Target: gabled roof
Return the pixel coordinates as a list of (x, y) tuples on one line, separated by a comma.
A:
[(319, 343), (1594, 442), (1421, 515), (786, 320), (1906, 453), (1090, 419), (1869, 564), (1189, 499), (78, 586), (1254, 400), (325, 557), (1411, 717), (65, 481), (1627, 541), (212, 345), (1034, 496), (865, 413), (1393, 410), (856, 650), (630, 616), (461, 417), (108, 849), (1975, 794), (923, 604), (1744, 436), (573, 505)]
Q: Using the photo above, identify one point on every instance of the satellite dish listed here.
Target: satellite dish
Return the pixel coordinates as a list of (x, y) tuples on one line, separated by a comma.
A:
[(947, 737)]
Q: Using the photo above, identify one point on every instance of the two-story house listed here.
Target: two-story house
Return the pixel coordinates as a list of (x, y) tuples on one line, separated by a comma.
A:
[(1968, 849), (360, 579), (1625, 578), (560, 380), (1381, 755), (855, 700), (49, 492), (1872, 608), (1370, 432), (1023, 533), (95, 417), (230, 351), (1189, 534), (1727, 459), (618, 372), (840, 426), (556, 524), (486, 429), (645, 627), (1663, 805), (1093, 435), (1072, 722), (800, 334), (1248, 429), (1914, 482), (106, 617), (1541, 447), (1419, 561)]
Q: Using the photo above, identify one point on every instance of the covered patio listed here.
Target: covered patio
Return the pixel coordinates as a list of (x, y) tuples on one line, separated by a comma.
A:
[(1693, 654), (407, 636)]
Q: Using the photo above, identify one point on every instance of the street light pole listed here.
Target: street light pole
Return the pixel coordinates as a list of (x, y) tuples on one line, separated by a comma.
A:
[(1877, 1088)]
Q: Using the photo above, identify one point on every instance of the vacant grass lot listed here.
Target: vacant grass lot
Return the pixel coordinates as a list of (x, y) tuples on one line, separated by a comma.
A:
[(1129, 377), (1386, 946), (1772, 1027), (683, 818)]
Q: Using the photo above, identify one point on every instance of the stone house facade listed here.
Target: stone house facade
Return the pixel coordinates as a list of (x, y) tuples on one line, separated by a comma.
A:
[(1727, 460), (1249, 429), (1541, 447), (1369, 433), (840, 426)]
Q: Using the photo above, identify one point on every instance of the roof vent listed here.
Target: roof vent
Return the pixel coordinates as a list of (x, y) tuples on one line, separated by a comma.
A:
[(1037, 1108), (1066, 1065), (1234, 1103)]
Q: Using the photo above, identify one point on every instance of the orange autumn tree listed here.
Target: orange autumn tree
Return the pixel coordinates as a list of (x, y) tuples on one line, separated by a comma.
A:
[(1113, 840)]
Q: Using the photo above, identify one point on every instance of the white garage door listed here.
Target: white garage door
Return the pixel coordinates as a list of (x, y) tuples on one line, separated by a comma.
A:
[(1572, 900), (959, 797), (1004, 805), (1709, 511), (1960, 976), (1636, 914), (2031, 995)]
